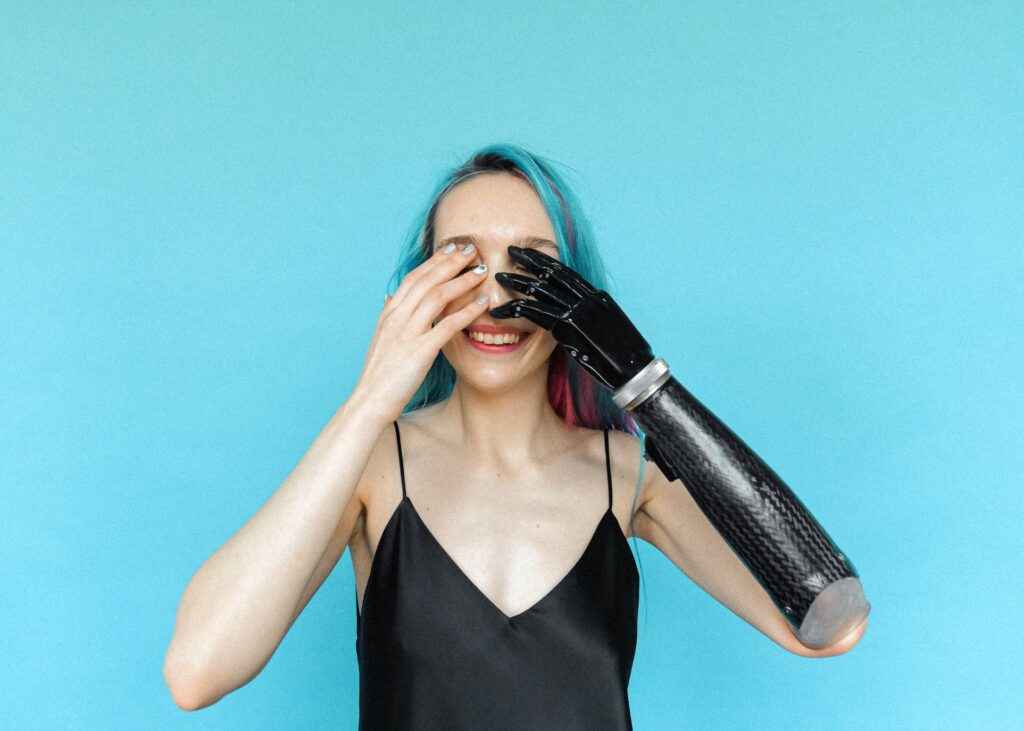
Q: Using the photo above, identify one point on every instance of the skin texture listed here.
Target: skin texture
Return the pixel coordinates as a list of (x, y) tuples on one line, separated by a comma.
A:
[(510, 491), (237, 607)]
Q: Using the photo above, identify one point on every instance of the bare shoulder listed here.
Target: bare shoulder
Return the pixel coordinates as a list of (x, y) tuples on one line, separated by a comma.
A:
[(380, 470), (652, 484), (381, 474), (624, 457), (623, 450), (622, 447)]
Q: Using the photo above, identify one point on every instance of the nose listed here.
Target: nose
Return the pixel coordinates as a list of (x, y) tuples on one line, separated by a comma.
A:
[(495, 292)]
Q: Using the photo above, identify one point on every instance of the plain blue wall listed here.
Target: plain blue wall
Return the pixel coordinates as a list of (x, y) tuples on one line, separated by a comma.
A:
[(812, 210)]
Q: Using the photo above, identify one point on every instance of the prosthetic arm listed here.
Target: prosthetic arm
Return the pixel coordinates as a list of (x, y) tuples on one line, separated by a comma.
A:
[(802, 570)]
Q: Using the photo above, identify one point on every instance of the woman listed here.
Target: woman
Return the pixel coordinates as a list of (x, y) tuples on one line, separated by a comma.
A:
[(486, 490)]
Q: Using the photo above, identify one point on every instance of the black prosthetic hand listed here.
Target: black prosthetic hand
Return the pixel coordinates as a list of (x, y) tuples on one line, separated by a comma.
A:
[(802, 570)]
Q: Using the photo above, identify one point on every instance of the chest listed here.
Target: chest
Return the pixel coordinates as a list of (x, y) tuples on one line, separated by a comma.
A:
[(510, 536)]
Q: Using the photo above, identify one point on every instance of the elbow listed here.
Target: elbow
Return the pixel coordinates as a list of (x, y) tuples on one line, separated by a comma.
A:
[(840, 647), (185, 681), (183, 689), (185, 701), (840, 603)]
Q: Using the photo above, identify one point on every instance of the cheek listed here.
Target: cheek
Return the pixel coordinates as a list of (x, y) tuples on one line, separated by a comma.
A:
[(545, 341)]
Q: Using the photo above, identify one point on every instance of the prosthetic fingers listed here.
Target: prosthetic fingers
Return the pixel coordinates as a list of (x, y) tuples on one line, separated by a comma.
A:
[(807, 577)]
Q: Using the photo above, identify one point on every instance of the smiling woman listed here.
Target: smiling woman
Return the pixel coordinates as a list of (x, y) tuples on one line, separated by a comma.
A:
[(536, 198), (495, 587), (528, 433)]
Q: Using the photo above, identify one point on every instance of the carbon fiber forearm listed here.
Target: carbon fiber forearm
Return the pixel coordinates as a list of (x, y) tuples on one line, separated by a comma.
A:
[(809, 580), (757, 514)]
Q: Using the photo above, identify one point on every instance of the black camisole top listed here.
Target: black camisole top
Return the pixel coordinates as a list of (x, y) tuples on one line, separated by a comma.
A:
[(435, 653)]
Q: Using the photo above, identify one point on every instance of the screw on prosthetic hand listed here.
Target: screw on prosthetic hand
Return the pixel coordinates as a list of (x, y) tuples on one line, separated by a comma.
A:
[(580, 318)]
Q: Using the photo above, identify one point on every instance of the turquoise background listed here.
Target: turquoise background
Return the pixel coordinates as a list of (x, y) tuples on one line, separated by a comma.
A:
[(813, 211)]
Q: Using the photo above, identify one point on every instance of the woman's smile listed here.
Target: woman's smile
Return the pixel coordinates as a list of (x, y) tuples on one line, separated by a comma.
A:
[(495, 340)]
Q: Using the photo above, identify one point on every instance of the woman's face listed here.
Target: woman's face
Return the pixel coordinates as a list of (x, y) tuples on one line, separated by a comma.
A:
[(492, 211)]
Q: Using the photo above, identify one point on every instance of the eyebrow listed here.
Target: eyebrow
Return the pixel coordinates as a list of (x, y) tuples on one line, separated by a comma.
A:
[(525, 242)]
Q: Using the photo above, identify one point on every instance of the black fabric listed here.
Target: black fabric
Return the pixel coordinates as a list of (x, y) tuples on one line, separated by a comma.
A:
[(435, 653)]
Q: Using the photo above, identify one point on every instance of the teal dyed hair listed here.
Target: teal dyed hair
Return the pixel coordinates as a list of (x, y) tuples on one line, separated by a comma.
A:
[(574, 394)]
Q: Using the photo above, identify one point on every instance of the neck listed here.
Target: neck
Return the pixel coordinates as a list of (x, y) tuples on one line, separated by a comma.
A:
[(516, 425)]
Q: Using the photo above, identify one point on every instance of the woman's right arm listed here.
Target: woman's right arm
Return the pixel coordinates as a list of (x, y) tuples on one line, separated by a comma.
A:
[(241, 602)]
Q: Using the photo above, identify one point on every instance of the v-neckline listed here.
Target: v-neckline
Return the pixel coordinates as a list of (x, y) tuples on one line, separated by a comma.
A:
[(464, 578)]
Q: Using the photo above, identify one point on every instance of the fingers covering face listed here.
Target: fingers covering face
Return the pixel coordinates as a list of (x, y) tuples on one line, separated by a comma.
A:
[(440, 267), (557, 288), (534, 287)]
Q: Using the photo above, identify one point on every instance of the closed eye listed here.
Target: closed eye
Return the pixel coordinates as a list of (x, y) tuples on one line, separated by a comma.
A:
[(516, 267)]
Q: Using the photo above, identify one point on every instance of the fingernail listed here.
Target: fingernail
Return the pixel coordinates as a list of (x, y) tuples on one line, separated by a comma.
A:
[(448, 248), (480, 269), (468, 248), (482, 299)]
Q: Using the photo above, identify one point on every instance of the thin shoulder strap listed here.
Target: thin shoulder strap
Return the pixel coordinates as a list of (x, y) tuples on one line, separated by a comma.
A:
[(401, 464), (608, 467)]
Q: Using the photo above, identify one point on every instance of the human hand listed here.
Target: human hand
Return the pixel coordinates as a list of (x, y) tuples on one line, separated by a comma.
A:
[(585, 320), (407, 340)]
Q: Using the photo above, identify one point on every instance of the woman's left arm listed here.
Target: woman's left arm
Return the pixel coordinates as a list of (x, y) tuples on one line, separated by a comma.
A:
[(670, 519), (812, 585)]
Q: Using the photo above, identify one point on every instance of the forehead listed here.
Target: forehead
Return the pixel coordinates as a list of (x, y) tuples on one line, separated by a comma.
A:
[(492, 208)]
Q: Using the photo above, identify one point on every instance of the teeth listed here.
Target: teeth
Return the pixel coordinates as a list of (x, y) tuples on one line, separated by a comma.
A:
[(496, 339)]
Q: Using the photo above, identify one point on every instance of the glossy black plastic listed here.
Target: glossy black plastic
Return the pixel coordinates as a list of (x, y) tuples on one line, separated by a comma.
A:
[(754, 511)]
